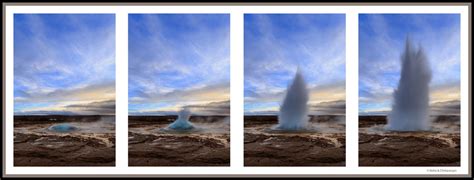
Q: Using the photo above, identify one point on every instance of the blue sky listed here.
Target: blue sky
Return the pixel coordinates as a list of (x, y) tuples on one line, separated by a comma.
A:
[(64, 64), (276, 44), (381, 41), (179, 60)]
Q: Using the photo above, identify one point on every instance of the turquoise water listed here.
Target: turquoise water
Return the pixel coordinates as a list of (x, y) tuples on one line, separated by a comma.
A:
[(63, 128)]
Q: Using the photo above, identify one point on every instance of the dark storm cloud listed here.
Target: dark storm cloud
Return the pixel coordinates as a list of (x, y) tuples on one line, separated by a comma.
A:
[(41, 112), (329, 108), (206, 109), (213, 108), (99, 107), (446, 108)]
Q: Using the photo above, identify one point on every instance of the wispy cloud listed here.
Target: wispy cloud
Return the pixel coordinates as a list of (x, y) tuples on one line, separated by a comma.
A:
[(178, 60), (275, 45), (381, 41), (63, 59)]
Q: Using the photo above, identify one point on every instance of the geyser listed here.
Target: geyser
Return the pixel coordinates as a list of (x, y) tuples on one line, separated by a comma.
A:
[(62, 128), (182, 123), (293, 111), (411, 98)]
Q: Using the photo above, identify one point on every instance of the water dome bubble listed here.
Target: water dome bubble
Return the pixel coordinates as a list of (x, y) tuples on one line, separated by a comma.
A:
[(63, 128), (182, 123)]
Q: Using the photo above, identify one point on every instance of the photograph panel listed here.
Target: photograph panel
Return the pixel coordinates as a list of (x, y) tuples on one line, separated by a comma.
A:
[(179, 90), (294, 89), (409, 90), (64, 90)]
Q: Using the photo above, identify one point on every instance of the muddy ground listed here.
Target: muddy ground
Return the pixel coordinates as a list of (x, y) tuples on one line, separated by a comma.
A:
[(437, 147), (151, 145), (91, 144), (323, 145)]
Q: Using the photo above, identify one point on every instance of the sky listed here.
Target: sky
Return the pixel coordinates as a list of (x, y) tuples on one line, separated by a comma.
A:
[(179, 61), (381, 43), (64, 64), (275, 45)]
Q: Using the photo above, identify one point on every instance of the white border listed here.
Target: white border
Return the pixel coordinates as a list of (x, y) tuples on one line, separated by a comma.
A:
[(236, 13), (121, 90), (236, 89), (352, 90)]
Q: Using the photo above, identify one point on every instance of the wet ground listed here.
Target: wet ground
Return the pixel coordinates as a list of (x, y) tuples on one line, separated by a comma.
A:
[(438, 147), (64, 141), (322, 144), (151, 144)]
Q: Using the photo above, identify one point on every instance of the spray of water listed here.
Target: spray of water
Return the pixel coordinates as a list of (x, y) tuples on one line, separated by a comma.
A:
[(293, 111), (182, 123), (411, 98)]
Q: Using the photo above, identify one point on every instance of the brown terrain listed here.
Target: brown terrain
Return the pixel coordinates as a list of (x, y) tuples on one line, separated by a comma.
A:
[(323, 146), (151, 145), (438, 147), (91, 144)]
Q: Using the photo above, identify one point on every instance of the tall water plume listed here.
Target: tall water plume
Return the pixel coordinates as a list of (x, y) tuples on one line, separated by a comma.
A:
[(293, 111), (411, 98)]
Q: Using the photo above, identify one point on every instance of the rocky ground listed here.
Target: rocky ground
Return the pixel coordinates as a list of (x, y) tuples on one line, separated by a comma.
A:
[(438, 147), (92, 144), (151, 145), (322, 146)]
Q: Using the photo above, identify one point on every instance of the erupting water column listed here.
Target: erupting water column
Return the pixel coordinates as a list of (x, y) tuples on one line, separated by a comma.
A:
[(293, 111), (411, 98), (182, 123)]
